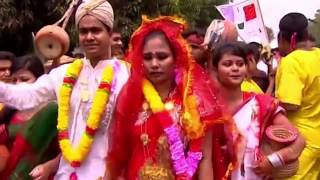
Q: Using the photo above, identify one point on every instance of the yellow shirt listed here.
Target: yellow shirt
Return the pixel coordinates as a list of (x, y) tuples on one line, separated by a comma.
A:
[(248, 85), (298, 83)]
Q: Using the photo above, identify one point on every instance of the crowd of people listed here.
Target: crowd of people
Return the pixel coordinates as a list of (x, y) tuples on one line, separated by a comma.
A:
[(179, 104)]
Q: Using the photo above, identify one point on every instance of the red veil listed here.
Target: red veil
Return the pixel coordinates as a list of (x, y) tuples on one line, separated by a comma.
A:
[(192, 81)]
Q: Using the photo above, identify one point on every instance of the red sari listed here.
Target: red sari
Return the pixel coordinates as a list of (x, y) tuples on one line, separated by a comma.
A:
[(222, 158), (155, 154), (128, 155)]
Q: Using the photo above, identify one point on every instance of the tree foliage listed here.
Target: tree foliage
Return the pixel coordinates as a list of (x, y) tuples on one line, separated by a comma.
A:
[(315, 27), (198, 13), (19, 18), (270, 33)]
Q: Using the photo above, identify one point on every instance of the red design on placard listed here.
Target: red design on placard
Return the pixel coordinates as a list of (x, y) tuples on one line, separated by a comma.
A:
[(250, 12)]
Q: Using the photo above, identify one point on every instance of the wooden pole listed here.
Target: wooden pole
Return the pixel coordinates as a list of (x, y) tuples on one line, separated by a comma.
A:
[(264, 26)]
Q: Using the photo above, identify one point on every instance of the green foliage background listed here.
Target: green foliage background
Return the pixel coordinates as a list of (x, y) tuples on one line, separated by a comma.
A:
[(19, 18), (315, 27)]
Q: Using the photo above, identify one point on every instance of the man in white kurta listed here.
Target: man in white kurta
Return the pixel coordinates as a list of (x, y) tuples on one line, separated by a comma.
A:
[(46, 88)]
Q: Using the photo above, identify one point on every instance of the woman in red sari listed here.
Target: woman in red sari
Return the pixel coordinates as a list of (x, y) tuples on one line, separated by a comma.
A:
[(259, 139), (164, 108)]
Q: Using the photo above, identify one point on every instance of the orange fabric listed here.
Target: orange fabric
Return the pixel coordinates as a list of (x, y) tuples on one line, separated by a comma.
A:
[(4, 156)]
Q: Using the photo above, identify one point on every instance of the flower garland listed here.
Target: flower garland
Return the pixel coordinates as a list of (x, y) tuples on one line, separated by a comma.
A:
[(75, 156), (185, 167)]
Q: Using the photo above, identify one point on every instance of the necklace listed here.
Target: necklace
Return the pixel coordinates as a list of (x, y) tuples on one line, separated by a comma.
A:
[(75, 156), (184, 167)]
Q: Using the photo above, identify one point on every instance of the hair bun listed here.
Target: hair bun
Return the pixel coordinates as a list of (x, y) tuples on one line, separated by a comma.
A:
[(293, 22)]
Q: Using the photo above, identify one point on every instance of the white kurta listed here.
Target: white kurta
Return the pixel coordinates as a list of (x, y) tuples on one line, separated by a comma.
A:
[(46, 88)]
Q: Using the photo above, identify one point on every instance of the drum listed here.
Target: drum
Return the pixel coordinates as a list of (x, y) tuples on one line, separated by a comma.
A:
[(52, 41)]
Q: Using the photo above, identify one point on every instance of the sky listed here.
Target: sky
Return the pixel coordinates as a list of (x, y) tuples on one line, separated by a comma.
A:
[(274, 10)]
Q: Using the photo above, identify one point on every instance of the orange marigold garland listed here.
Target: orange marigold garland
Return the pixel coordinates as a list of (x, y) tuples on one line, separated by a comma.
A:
[(76, 155)]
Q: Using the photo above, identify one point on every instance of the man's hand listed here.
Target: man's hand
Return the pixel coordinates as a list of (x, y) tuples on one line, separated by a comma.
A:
[(41, 172)]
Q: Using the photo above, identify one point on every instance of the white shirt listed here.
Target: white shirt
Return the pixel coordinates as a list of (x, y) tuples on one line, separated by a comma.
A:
[(46, 89)]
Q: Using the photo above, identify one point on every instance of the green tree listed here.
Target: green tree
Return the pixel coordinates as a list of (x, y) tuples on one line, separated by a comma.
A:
[(315, 27), (198, 13), (270, 33), (19, 19)]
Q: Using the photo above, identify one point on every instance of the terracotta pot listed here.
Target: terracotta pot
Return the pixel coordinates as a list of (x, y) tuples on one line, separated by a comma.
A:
[(288, 170), (52, 41), (281, 135), (278, 137)]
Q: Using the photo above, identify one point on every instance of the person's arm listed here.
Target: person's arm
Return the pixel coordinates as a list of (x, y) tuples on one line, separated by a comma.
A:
[(43, 171), (271, 78), (205, 167), (118, 155), (290, 82), (293, 151), (4, 156), (26, 96), (287, 154), (119, 149), (290, 107)]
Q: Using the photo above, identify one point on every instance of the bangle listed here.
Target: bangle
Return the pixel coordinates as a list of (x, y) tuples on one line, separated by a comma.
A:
[(281, 158), (275, 160)]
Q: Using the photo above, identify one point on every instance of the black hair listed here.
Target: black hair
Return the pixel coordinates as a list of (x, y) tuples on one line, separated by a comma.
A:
[(159, 33), (253, 49), (294, 23), (28, 62), (6, 55), (232, 48), (258, 45), (116, 29), (196, 31), (311, 38)]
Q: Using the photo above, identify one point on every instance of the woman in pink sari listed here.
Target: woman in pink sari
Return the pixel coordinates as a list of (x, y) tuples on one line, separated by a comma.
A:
[(251, 136)]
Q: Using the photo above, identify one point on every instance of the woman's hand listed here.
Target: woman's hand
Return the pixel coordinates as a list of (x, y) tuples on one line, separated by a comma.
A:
[(271, 76), (264, 167)]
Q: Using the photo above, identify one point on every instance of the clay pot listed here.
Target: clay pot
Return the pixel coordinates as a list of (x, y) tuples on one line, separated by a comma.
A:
[(52, 41), (278, 137)]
